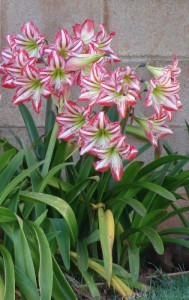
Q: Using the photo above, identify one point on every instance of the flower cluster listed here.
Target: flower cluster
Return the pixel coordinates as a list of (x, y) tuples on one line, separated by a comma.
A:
[(37, 69)]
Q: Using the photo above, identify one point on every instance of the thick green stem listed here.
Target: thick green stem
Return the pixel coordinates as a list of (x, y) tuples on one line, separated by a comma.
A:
[(50, 150)]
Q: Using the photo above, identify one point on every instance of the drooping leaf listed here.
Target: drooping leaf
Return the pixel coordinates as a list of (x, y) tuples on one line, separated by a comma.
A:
[(154, 238), (106, 230), (57, 203)]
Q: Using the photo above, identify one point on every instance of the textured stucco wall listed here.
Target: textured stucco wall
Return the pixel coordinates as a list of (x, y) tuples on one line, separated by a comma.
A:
[(146, 30)]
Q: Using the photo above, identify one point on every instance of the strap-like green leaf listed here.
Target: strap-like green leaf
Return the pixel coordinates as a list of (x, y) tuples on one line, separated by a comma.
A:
[(159, 162), (19, 178), (82, 254), (9, 288), (57, 203), (157, 189), (154, 238), (10, 170), (61, 288), (25, 285), (50, 175), (23, 258), (45, 268), (63, 240), (6, 157), (134, 261), (106, 229)]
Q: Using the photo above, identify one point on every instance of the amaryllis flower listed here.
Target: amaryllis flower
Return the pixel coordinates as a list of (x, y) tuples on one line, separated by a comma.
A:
[(31, 87), (154, 128), (111, 157), (121, 89), (173, 69), (163, 93), (64, 44), (102, 42), (71, 120), (85, 31), (55, 73), (91, 84), (14, 68), (98, 132), (31, 40)]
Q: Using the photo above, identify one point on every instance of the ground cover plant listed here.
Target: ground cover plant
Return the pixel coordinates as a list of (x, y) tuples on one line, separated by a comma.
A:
[(78, 202)]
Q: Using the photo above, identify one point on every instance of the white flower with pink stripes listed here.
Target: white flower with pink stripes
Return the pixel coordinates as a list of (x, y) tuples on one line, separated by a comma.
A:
[(98, 132), (111, 157), (31, 40), (30, 87), (71, 120), (163, 93)]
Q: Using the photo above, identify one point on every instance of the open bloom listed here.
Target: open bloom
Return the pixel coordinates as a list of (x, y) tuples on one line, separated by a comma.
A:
[(154, 128), (71, 120), (163, 93), (55, 73), (111, 157), (98, 132), (14, 68), (85, 31), (91, 84), (121, 89), (31, 87), (31, 40), (64, 44)]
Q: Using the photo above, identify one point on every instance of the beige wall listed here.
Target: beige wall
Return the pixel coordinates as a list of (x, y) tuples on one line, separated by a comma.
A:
[(146, 30)]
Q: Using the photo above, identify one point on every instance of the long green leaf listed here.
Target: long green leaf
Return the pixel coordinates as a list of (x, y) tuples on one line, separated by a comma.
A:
[(35, 176), (57, 203), (137, 206), (157, 189), (9, 288), (63, 240), (91, 285), (6, 215), (159, 162), (154, 238), (46, 267), (6, 157), (25, 285), (50, 174), (19, 178), (31, 129), (2, 287), (10, 170), (23, 258), (61, 288), (134, 261), (82, 254), (106, 230)]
